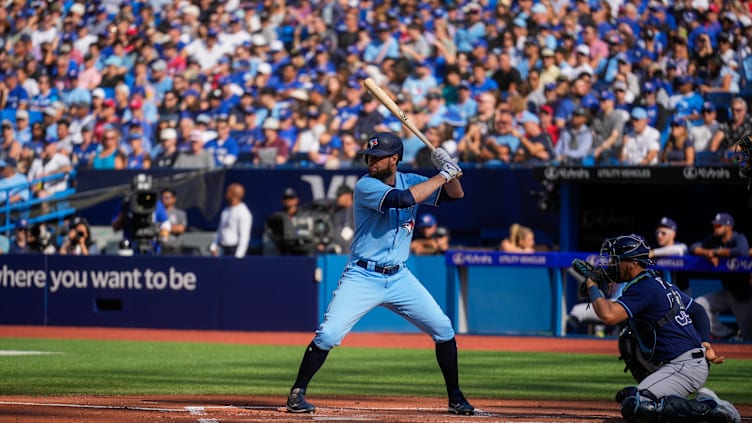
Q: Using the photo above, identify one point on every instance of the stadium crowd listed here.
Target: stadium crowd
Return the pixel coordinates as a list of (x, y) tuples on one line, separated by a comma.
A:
[(113, 85)]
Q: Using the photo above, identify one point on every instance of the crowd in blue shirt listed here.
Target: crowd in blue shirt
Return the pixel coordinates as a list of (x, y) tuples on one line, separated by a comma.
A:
[(266, 83)]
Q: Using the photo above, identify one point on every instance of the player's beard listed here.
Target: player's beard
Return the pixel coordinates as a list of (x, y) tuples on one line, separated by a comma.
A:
[(381, 173)]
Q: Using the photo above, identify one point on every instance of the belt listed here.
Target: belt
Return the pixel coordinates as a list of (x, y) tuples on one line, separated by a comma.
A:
[(698, 354), (386, 270)]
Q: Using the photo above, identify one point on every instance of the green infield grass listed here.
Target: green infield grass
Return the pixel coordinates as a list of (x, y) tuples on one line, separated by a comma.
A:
[(83, 367)]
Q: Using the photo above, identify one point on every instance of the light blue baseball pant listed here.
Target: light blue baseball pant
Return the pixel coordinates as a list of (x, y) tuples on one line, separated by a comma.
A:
[(360, 291)]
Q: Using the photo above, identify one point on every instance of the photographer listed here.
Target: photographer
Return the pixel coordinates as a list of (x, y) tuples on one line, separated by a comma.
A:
[(298, 231), (142, 217), (78, 241)]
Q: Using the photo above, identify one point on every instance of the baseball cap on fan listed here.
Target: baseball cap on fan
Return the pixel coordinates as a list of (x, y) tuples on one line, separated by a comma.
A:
[(667, 222), (723, 219), (426, 220)]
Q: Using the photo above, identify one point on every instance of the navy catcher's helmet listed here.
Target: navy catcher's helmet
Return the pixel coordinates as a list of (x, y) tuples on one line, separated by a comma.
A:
[(630, 247), (383, 144)]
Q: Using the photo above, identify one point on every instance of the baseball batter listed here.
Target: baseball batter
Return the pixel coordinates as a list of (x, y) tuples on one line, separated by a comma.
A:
[(385, 207), (672, 331)]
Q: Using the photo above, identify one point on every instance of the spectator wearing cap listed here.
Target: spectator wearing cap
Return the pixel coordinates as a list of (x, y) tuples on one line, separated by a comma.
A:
[(679, 149), (113, 72), (167, 150), (582, 62), (702, 135), (642, 143), (224, 147), (730, 132), (549, 70), (10, 177), (608, 130), (535, 145), (196, 157), (467, 105), (10, 146), (23, 128), (507, 77), (657, 113), (46, 96), (423, 238), (105, 158), (84, 147), (159, 79), (272, 150), (16, 97), (546, 116), (383, 46), (665, 237), (50, 162), (575, 140), (736, 293), (687, 103)]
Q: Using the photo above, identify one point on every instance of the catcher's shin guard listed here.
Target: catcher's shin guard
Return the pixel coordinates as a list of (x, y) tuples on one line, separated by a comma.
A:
[(675, 409), (636, 410)]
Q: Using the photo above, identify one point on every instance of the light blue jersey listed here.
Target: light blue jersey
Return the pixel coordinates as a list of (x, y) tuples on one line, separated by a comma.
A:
[(383, 236)]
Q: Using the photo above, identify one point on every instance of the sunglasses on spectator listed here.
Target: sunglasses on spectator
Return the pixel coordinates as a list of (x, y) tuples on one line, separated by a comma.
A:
[(738, 110), (661, 232)]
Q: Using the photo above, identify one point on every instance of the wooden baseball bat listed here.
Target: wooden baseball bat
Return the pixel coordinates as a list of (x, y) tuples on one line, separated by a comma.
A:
[(382, 96)]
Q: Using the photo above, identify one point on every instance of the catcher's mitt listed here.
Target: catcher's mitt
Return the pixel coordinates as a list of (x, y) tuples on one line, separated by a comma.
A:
[(588, 271)]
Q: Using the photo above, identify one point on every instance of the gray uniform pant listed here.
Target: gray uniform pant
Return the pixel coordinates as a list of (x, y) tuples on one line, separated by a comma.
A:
[(681, 376)]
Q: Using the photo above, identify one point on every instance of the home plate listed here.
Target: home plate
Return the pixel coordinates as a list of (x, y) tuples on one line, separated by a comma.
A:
[(17, 352)]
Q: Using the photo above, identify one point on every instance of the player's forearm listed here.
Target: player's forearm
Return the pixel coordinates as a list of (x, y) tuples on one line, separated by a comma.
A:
[(454, 189), (426, 188)]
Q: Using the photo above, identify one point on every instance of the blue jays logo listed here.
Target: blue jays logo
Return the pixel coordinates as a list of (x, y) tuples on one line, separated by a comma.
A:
[(408, 226), (372, 143)]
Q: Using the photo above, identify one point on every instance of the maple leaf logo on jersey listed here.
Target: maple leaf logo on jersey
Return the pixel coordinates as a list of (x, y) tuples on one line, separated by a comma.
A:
[(372, 143), (408, 226)]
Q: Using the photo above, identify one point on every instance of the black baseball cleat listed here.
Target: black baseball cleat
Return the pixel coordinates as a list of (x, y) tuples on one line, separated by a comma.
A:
[(296, 402), (459, 405)]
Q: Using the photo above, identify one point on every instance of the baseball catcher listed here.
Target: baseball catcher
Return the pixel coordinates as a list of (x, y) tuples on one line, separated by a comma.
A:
[(665, 340)]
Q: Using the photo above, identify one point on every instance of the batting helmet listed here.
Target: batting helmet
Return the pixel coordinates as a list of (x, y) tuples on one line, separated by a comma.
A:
[(383, 144), (630, 247)]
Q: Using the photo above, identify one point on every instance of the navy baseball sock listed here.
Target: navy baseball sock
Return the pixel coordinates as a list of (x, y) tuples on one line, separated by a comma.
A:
[(446, 355), (313, 359)]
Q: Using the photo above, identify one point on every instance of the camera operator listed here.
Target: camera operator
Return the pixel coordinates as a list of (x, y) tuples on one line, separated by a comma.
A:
[(298, 231), (78, 241), (142, 217)]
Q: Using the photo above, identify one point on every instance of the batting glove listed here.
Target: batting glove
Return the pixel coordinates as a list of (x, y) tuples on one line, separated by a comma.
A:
[(450, 170), (439, 156)]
